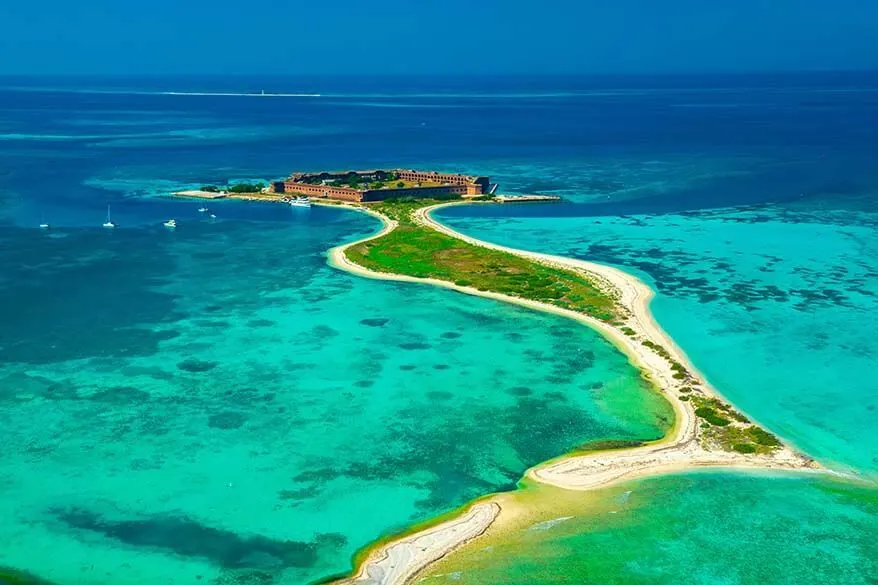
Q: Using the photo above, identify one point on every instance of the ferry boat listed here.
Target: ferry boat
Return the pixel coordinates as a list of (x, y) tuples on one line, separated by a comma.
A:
[(109, 223), (171, 223), (300, 202)]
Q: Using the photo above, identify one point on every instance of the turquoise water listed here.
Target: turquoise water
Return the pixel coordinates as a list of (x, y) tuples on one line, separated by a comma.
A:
[(217, 403), (775, 304), (714, 528), (198, 403)]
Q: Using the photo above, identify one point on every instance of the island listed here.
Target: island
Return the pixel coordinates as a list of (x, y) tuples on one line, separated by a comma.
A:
[(366, 186), (412, 246)]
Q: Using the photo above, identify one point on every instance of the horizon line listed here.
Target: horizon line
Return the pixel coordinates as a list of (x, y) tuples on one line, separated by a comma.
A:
[(718, 73)]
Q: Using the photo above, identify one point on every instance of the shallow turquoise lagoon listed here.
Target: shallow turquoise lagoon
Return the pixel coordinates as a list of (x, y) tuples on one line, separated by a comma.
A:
[(775, 304), (699, 528), (216, 404)]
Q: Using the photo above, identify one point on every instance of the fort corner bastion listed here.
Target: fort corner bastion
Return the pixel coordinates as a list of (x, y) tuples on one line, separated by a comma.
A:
[(377, 185)]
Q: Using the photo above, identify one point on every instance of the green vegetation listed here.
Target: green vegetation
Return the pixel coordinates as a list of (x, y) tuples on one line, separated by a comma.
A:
[(609, 444), (741, 435), (763, 437), (374, 181), (246, 187), (680, 371), (711, 416), (414, 250), (656, 348), (236, 188)]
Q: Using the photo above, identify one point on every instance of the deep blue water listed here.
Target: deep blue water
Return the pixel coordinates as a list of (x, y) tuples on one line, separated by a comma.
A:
[(230, 355), (74, 146)]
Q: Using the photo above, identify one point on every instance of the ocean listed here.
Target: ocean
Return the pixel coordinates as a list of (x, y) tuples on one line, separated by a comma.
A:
[(216, 404)]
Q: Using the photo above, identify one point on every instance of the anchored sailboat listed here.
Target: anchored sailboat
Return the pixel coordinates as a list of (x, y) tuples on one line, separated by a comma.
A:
[(109, 223)]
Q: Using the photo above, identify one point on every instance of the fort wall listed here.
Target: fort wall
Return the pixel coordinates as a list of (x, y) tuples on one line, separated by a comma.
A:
[(307, 184)]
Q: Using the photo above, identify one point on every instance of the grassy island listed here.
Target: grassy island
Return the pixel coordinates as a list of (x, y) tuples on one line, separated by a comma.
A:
[(413, 249), (417, 250), (708, 430)]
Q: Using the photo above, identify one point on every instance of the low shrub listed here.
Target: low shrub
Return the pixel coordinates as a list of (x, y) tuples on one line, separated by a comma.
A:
[(763, 437), (744, 448), (737, 416), (711, 416), (246, 188)]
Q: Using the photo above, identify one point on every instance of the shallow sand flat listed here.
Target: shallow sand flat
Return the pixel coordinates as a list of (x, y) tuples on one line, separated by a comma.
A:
[(403, 559)]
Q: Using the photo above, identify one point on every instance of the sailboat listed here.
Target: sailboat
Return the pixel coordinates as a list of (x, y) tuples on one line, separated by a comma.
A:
[(109, 223), (43, 224)]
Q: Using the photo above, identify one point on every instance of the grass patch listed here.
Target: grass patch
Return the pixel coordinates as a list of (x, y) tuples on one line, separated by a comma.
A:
[(414, 250)]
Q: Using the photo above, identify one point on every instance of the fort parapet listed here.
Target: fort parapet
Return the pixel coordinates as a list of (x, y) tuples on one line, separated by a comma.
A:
[(377, 185)]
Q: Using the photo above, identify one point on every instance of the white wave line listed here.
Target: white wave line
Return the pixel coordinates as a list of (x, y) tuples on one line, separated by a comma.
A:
[(226, 94)]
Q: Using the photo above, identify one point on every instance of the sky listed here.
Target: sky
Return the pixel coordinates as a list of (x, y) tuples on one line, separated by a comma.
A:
[(366, 37)]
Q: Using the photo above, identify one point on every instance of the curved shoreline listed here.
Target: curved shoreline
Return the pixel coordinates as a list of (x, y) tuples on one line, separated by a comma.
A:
[(680, 449)]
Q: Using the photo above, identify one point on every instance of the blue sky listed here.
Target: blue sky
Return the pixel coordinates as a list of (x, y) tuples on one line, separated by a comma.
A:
[(434, 36)]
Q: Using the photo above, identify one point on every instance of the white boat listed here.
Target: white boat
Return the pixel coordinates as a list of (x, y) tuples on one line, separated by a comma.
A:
[(202, 210), (300, 202), (44, 226), (109, 223), (171, 223), (212, 216)]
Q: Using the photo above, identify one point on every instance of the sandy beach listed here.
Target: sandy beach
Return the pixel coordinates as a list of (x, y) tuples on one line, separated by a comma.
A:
[(679, 450)]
